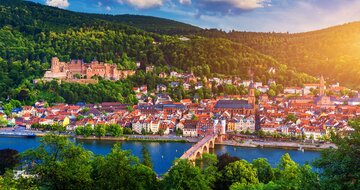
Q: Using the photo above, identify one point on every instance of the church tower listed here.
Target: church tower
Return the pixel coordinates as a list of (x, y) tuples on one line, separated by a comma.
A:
[(251, 95), (322, 86)]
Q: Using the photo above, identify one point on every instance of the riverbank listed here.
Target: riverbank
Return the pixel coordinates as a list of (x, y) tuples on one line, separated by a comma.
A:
[(173, 138), (140, 138), (279, 145)]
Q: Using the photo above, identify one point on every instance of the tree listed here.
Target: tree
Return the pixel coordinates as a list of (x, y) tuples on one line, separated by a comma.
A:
[(79, 130), (339, 166), (79, 117), (240, 171), (143, 131), (161, 132), (179, 132), (271, 93), (261, 133), (146, 157), (3, 122), (291, 117), (100, 130), (114, 130), (184, 175), (8, 108), (88, 131), (260, 186), (209, 169), (9, 158), (311, 137), (59, 164), (121, 170), (264, 171), (127, 131), (289, 175), (224, 160), (8, 181)]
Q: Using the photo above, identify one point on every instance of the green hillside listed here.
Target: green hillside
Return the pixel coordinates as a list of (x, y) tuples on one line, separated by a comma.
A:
[(31, 17), (31, 34), (332, 52), (152, 24)]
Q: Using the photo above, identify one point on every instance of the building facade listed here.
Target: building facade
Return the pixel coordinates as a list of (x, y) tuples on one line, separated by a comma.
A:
[(78, 69)]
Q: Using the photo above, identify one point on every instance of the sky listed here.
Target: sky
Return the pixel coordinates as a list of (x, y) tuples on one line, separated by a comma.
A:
[(243, 15)]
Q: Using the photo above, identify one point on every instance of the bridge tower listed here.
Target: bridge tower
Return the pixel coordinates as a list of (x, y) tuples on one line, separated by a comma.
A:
[(223, 127), (216, 121)]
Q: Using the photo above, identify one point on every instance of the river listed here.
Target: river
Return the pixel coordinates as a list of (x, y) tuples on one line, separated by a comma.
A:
[(164, 153)]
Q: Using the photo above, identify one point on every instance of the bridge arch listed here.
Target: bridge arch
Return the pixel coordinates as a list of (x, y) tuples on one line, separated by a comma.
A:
[(198, 155), (211, 144), (205, 149)]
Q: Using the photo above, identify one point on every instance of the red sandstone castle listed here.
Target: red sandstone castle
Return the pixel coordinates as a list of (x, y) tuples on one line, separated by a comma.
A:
[(68, 70)]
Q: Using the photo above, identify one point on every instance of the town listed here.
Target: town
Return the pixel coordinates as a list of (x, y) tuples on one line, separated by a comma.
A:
[(302, 113)]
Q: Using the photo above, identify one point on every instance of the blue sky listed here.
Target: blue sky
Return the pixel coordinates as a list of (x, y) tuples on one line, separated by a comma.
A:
[(244, 15)]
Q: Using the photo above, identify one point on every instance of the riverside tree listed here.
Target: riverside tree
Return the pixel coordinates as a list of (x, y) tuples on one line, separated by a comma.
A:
[(59, 164), (341, 167), (146, 157)]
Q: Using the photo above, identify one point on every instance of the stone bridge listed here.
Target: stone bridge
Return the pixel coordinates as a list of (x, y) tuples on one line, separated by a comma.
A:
[(201, 147)]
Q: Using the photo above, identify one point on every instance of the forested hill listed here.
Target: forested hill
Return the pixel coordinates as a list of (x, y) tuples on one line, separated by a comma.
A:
[(332, 52), (153, 24), (33, 16), (31, 34)]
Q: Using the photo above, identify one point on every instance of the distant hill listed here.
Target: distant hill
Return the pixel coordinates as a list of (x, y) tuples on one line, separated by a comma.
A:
[(152, 24), (332, 52), (31, 15)]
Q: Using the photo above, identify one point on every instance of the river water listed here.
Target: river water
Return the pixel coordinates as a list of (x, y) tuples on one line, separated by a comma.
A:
[(164, 153)]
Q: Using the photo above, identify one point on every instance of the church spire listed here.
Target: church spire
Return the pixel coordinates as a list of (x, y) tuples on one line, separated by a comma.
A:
[(322, 86)]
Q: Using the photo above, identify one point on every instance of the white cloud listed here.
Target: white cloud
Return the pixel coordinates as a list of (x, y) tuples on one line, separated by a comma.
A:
[(108, 8), (58, 3), (185, 2), (100, 4), (242, 4), (143, 4), (299, 16)]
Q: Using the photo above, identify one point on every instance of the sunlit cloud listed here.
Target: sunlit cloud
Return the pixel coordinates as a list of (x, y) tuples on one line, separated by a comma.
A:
[(185, 2), (58, 3), (142, 4)]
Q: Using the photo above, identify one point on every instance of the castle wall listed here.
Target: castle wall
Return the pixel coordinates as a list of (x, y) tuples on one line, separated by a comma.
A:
[(62, 70)]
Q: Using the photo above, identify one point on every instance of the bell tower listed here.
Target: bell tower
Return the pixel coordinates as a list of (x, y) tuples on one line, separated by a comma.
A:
[(251, 90), (251, 95), (322, 86)]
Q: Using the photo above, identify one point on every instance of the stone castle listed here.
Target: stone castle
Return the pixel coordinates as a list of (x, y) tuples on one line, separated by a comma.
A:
[(72, 70)]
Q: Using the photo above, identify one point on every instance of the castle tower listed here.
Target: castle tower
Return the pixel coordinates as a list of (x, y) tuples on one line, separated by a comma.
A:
[(251, 95), (322, 86), (55, 65)]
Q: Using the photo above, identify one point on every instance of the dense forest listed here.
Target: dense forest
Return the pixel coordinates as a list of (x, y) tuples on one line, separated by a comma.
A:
[(59, 163), (332, 52), (31, 34)]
